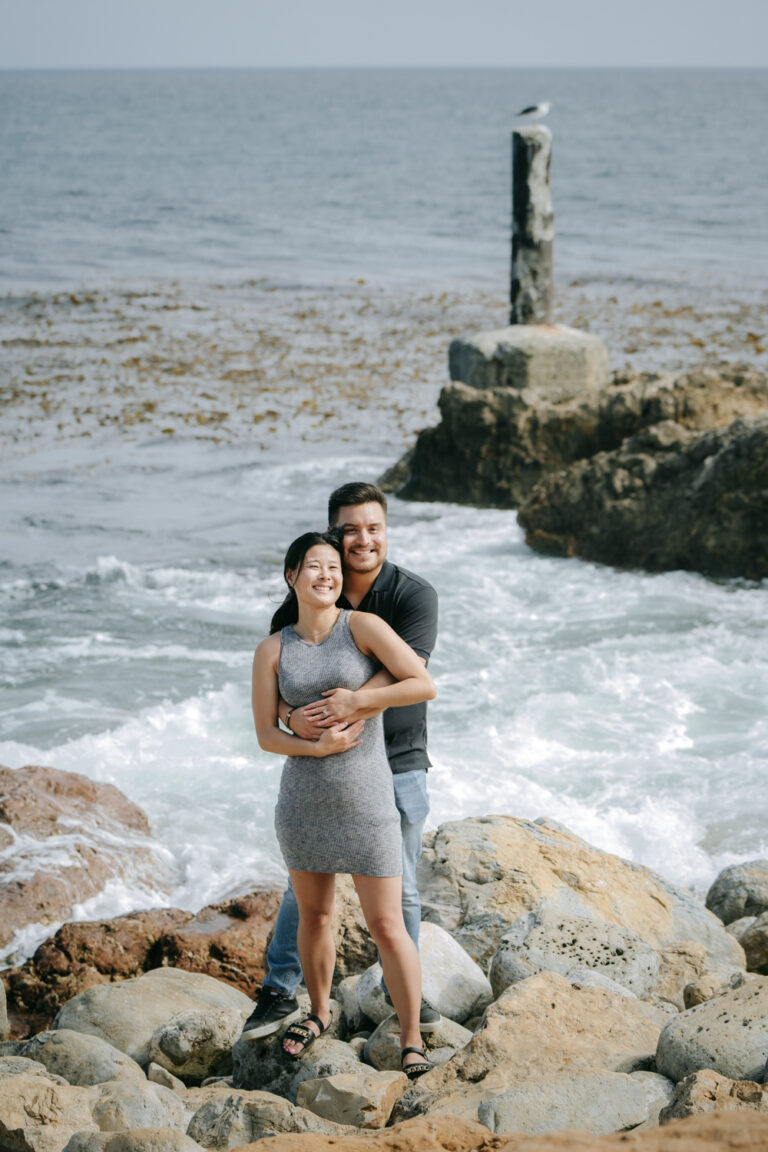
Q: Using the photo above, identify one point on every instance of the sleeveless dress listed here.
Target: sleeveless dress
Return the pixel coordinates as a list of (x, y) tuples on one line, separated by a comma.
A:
[(336, 813)]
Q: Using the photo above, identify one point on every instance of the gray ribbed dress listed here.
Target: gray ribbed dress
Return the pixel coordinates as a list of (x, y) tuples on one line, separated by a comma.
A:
[(336, 813)]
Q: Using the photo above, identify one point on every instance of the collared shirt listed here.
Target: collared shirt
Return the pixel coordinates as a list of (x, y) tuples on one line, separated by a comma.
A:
[(409, 605)]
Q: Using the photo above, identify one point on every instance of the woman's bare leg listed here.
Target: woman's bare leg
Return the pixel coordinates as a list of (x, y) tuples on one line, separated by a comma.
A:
[(314, 894), (380, 898)]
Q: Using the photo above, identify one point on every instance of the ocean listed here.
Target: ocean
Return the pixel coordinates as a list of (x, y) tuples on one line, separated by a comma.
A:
[(224, 293)]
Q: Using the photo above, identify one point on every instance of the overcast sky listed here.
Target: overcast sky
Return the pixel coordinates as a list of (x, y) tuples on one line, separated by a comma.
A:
[(362, 33)]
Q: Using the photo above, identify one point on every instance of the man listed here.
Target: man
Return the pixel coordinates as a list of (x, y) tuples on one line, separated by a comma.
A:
[(409, 606)]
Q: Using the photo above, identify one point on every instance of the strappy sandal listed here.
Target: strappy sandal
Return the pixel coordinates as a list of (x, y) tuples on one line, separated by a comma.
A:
[(303, 1035), (418, 1067)]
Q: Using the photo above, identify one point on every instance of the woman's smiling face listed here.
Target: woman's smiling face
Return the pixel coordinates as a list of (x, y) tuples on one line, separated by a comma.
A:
[(318, 581)]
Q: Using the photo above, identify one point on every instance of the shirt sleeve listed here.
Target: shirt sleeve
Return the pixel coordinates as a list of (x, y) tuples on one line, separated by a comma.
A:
[(415, 618)]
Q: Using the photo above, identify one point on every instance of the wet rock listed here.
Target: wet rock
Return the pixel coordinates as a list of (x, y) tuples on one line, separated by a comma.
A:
[(557, 942), (478, 875), (39, 1115), (728, 1035), (197, 1043), (79, 1058), (364, 1099), (382, 1049), (708, 1091), (92, 834), (597, 1101), (231, 1119), (740, 890), (666, 499), (127, 1014)]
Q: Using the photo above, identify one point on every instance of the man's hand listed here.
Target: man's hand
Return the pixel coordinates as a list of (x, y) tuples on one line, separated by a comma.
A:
[(340, 738), (338, 706), (302, 727)]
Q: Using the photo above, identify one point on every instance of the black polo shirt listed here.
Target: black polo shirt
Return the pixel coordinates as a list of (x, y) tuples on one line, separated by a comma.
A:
[(409, 605)]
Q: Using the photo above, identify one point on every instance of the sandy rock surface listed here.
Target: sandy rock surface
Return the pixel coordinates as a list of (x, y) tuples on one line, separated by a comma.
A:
[(229, 1118), (364, 1099), (708, 1091)]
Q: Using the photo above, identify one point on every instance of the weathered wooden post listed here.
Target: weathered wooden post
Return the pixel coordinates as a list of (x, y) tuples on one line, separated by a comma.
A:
[(533, 227)]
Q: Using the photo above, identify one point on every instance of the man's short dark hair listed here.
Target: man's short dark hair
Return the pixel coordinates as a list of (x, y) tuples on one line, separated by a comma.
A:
[(355, 493)]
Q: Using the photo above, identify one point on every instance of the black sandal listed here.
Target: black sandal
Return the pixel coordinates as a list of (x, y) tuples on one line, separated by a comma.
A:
[(303, 1035), (418, 1067)]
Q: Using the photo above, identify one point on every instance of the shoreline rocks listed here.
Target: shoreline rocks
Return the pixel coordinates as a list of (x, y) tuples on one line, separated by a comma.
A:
[(577, 989)]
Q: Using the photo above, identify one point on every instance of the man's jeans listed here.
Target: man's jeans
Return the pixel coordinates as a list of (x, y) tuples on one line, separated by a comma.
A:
[(283, 966)]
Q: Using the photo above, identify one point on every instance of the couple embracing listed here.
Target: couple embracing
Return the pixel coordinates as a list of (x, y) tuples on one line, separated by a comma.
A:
[(344, 672)]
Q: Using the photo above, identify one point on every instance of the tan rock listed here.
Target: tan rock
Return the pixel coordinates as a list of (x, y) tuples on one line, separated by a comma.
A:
[(714, 1133), (708, 1091), (355, 950), (229, 1118), (158, 1075), (537, 1028), (712, 984), (478, 875), (138, 1140), (364, 1099), (39, 1115)]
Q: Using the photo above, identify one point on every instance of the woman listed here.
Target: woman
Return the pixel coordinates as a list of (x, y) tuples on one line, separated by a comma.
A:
[(336, 809)]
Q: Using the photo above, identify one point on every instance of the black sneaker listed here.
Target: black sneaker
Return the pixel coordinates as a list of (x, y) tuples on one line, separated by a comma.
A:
[(272, 1010), (429, 1017)]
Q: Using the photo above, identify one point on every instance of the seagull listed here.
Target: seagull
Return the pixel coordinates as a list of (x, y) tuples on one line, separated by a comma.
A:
[(536, 111)]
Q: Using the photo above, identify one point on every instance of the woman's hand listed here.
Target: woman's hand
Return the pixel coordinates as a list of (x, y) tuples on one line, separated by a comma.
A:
[(337, 705), (339, 738)]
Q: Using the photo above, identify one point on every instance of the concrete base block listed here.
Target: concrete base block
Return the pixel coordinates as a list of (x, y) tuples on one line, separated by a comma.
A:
[(554, 362)]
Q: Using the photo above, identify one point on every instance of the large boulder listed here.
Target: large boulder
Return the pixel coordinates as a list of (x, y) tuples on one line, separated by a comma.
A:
[(667, 499), (11, 1066), (557, 942), (728, 1034), (496, 440), (79, 1058), (740, 890), (138, 1140), (127, 1014), (92, 834), (230, 1119), (708, 1091), (121, 1105), (597, 1101), (538, 1028), (752, 934), (478, 875)]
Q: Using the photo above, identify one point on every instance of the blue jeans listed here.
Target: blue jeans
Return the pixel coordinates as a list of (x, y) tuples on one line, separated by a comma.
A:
[(283, 965)]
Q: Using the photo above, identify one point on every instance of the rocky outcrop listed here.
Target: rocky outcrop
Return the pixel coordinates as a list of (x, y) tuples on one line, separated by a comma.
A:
[(498, 437), (667, 499), (86, 832), (477, 876)]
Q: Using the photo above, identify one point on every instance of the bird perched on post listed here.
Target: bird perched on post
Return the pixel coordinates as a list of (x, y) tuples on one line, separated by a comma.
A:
[(536, 111)]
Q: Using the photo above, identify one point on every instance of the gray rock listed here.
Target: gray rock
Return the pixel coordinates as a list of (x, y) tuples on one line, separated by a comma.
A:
[(80, 1058), (262, 1065), (590, 978), (452, 982), (382, 1049), (123, 1104), (711, 984), (4, 1026), (370, 996), (232, 1119), (728, 1034), (126, 1014), (548, 940), (197, 1043), (591, 1099), (740, 890), (752, 933), (352, 1015), (144, 1140), (11, 1066)]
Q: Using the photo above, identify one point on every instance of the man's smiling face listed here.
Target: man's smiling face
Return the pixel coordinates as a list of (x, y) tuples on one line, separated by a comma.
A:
[(364, 536)]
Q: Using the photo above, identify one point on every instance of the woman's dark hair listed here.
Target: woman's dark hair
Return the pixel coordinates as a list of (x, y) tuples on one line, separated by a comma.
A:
[(288, 612)]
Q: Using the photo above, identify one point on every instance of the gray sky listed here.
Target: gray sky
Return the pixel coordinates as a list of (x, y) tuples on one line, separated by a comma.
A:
[(359, 33)]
